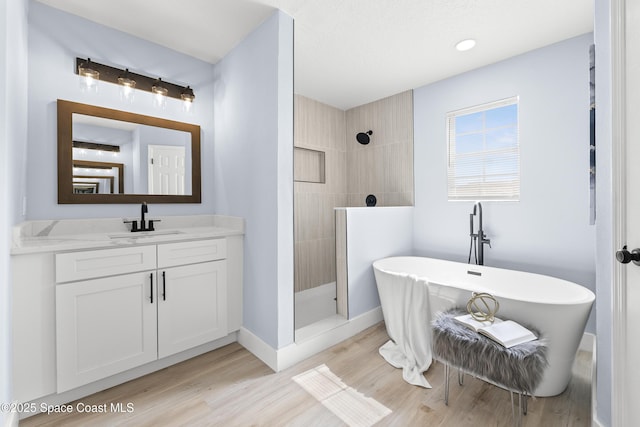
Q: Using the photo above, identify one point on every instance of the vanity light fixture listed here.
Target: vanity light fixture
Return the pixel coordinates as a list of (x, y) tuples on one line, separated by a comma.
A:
[(187, 94), (187, 99), (465, 45), (86, 68), (126, 79), (158, 88), (95, 146), (127, 83), (89, 76), (160, 92)]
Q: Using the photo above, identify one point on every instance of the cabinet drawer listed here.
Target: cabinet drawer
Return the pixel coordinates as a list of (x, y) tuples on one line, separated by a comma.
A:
[(106, 262), (182, 253)]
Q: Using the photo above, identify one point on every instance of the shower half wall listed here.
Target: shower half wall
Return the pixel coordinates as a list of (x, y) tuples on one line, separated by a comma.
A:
[(331, 170)]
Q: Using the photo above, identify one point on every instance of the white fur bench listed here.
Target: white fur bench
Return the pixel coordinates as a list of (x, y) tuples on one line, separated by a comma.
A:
[(517, 369)]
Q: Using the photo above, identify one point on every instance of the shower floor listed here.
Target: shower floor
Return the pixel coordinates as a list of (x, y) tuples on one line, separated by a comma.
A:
[(313, 305)]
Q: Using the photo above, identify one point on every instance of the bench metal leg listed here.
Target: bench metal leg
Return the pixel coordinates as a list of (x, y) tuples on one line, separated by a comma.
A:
[(519, 420), (517, 415), (446, 384)]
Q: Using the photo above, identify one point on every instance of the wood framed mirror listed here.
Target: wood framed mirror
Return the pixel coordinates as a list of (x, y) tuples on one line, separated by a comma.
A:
[(143, 158)]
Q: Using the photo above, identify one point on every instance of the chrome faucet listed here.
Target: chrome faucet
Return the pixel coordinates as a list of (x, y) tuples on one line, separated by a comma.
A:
[(478, 237)]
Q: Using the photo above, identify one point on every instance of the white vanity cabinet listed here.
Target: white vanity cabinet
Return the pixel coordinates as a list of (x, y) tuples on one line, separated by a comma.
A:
[(192, 299), (117, 309), (103, 327)]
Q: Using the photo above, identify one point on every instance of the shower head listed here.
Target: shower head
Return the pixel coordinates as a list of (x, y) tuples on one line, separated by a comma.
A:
[(363, 137)]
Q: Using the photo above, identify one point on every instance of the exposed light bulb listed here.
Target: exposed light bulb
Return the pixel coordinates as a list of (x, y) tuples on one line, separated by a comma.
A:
[(160, 94), (187, 106), (187, 97), (126, 94), (127, 84), (88, 77), (465, 45), (159, 101)]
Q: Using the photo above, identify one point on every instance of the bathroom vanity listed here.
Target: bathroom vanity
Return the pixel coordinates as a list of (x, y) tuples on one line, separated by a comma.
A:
[(95, 305)]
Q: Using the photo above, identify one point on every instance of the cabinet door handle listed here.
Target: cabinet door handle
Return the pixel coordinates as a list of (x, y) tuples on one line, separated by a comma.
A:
[(164, 286), (151, 286)]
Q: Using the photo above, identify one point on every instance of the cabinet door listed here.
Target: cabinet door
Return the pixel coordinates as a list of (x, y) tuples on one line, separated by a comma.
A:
[(192, 302), (104, 326)]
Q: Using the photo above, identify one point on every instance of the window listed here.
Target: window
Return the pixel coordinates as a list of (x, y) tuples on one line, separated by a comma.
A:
[(483, 152)]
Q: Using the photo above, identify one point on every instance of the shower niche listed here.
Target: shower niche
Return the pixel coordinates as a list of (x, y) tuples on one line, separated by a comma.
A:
[(308, 165)]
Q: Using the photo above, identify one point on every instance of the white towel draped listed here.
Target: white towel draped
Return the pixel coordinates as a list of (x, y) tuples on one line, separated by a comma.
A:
[(405, 307)]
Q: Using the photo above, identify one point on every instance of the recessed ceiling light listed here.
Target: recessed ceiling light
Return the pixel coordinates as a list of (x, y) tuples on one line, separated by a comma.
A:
[(465, 45)]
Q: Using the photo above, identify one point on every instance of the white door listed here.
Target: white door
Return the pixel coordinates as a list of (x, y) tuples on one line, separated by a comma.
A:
[(626, 411), (166, 169)]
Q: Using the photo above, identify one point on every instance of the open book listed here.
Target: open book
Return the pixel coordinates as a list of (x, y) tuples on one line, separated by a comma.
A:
[(505, 332)]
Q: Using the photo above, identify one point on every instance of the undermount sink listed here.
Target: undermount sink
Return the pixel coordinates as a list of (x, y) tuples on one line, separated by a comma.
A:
[(141, 234)]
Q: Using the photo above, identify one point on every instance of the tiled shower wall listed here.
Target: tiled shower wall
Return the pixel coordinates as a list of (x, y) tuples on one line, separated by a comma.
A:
[(318, 127), (384, 167)]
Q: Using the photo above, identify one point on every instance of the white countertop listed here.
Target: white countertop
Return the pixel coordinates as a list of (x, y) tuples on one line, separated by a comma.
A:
[(73, 234)]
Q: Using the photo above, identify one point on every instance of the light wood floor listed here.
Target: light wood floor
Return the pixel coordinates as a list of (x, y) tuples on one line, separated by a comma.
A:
[(231, 387)]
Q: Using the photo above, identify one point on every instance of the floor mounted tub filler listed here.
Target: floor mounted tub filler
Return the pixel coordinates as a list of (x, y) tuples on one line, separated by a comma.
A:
[(413, 289)]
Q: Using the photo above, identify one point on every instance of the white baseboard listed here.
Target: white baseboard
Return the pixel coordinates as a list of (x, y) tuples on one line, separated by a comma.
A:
[(285, 357), (595, 422), (586, 340), (258, 348), (587, 343), (12, 419)]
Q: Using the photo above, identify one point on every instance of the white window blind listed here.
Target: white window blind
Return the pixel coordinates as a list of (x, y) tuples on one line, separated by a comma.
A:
[(484, 152)]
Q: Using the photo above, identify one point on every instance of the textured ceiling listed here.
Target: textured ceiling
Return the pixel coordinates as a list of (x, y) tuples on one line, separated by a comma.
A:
[(350, 52)]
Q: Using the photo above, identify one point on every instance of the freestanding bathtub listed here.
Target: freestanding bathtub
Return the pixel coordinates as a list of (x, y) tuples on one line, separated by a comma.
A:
[(557, 308)]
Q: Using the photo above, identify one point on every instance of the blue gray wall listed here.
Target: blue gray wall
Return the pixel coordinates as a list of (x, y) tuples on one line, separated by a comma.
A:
[(548, 230), (56, 38), (13, 140), (254, 170)]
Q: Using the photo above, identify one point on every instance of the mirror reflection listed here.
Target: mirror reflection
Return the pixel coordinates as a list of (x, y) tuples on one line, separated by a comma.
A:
[(113, 156), (152, 160), (97, 177)]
